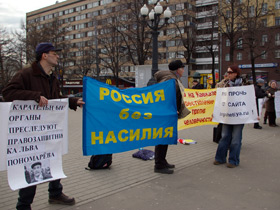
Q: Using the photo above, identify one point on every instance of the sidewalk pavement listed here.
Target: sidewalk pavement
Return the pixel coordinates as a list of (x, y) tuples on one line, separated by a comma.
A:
[(197, 184)]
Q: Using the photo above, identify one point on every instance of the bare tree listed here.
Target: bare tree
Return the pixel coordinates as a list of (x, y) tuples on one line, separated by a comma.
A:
[(230, 25), (133, 31), (252, 17), (8, 58), (113, 54), (186, 30)]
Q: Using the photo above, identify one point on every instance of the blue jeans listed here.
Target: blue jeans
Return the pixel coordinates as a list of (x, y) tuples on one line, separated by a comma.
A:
[(231, 139)]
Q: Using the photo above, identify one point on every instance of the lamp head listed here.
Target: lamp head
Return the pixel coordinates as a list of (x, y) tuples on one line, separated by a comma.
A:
[(152, 15), (144, 10), (158, 9), (167, 13)]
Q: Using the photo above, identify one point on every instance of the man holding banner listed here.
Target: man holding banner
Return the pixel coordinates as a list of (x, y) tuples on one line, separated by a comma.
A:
[(176, 70), (39, 84), (233, 105)]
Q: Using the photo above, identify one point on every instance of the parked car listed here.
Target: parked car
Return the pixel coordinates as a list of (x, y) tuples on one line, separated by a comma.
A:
[(78, 95)]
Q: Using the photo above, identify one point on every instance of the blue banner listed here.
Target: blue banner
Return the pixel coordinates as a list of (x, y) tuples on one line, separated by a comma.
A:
[(116, 120)]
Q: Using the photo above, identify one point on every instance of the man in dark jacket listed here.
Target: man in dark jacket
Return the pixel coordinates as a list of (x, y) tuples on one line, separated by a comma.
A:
[(38, 83), (260, 93), (176, 72), (197, 85)]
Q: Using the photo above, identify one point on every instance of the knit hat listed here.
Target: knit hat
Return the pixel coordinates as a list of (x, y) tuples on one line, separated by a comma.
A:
[(260, 81), (174, 65)]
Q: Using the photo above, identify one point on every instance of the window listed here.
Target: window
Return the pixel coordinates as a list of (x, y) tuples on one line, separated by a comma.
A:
[(179, 6), (89, 5), (179, 18), (239, 43), (228, 13), (277, 21), (227, 42), (264, 55), (251, 11), (264, 22), (277, 39), (277, 53), (239, 56), (264, 8), (277, 5), (227, 57), (264, 39), (170, 43)]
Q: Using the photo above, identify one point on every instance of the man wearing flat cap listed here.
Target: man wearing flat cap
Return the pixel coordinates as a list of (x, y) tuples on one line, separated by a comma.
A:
[(260, 93), (38, 83), (176, 70)]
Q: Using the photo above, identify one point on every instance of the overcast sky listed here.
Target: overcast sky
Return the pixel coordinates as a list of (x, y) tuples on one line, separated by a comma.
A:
[(12, 12)]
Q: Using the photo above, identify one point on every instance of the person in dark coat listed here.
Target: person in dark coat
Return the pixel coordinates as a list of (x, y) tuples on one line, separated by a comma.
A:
[(270, 106), (197, 85), (38, 83), (260, 93), (176, 70)]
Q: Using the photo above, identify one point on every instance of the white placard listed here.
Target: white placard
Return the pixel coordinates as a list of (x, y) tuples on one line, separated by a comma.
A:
[(35, 139), (277, 104), (235, 105)]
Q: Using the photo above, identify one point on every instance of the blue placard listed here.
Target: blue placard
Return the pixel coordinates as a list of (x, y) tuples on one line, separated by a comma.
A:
[(116, 120)]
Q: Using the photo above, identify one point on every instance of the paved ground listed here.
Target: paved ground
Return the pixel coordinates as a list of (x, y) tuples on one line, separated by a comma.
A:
[(197, 184)]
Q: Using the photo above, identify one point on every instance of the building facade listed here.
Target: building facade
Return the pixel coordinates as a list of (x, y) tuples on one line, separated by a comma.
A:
[(85, 23), (265, 47)]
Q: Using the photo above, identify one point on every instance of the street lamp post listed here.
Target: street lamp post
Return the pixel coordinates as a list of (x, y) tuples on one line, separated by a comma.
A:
[(154, 16)]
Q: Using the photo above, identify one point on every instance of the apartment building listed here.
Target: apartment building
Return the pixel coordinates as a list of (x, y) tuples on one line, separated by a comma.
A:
[(207, 41), (86, 21)]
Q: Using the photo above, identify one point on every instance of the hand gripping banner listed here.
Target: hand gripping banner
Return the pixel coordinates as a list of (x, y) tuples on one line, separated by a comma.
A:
[(116, 120)]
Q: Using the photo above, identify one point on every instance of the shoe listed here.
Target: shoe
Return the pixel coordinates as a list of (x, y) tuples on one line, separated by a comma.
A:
[(259, 127), (163, 170), (229, 165), (217, 162), (272, 125), (62, 199), (170, 165)]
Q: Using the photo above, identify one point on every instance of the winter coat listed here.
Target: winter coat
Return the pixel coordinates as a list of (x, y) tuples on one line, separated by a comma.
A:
[(269, 105), (31, 83), (198, 86), (260, 93), (161, 76)]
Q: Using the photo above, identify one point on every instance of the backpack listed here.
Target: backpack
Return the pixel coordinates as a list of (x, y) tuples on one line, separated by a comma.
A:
[(100, 161)]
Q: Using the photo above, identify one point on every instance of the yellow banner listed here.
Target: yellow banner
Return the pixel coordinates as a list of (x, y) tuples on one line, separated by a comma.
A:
[(201, 104)]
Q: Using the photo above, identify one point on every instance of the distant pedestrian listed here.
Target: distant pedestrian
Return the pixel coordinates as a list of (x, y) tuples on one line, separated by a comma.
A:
[(176, 70), (231, 134), (196, 85), (260, 93), (270, 106)]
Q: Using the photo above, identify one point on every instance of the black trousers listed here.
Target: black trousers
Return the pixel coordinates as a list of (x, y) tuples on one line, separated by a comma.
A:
[(271, 118), (256, 125), (160, 156), (26, 195)]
